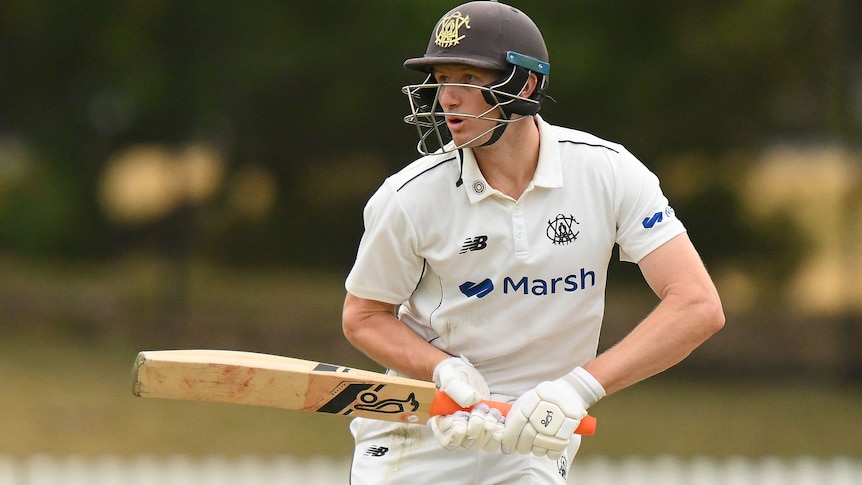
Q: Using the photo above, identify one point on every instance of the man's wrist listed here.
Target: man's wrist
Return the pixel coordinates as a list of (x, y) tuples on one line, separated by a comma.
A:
[(585, 385)]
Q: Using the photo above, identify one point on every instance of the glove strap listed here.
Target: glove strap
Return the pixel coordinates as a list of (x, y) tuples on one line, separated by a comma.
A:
[(585, 385)]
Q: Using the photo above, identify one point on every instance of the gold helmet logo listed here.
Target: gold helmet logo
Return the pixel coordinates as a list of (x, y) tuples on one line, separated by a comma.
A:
[(448, 30)]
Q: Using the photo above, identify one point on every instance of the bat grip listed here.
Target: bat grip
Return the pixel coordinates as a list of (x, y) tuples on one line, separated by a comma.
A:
[(443, 404)]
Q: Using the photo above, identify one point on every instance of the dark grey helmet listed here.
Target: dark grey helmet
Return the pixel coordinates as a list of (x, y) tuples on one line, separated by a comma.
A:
[(480, 34)]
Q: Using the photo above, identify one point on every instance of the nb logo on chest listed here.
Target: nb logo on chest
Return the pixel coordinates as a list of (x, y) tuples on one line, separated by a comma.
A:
[(476, 243)]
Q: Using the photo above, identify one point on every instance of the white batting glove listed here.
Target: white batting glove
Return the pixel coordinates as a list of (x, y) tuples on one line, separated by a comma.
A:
[(482, 429), (457, 377), (542, 421)]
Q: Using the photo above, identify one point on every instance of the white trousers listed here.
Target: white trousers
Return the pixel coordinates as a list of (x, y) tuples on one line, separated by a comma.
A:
[(394, 453)]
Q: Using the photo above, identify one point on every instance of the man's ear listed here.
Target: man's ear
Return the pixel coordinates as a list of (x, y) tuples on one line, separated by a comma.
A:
[(530, 87)]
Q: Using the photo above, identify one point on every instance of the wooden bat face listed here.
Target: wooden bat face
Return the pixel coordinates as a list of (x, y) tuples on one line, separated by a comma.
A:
[(273, 381)]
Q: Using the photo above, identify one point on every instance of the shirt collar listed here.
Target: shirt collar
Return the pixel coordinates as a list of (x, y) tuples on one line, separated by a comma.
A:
[(549, 171)]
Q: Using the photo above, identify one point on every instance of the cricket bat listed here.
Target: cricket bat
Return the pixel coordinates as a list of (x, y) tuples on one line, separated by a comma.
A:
[(256, 379)]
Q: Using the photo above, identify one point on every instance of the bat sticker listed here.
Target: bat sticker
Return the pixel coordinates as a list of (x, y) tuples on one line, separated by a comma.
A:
[(344, 399), (387, 406), (321, 367)]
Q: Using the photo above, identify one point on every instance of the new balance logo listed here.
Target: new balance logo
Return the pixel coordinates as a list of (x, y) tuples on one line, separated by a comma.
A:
[(477, 289), (376, 451), (476, 243)]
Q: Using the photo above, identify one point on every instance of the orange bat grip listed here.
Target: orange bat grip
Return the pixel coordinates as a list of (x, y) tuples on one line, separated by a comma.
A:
[(443, 404)]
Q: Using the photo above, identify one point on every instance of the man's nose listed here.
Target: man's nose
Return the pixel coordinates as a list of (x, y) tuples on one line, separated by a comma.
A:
[(449, 96)]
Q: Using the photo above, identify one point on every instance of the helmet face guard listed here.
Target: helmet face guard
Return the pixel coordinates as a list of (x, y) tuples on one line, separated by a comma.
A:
[(429, 117)]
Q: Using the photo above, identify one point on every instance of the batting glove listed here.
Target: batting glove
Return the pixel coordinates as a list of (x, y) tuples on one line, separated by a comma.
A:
[(543, 421), (482, 429), (457, 377)]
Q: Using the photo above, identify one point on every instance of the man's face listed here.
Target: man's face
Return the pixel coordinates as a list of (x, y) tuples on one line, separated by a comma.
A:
[(465, 102)]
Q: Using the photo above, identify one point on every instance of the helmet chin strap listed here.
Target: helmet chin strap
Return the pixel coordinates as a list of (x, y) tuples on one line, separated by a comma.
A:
[(498, 132), (518, 76)]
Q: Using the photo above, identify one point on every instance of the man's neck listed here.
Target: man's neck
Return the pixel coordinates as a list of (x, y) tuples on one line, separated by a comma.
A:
[(510, 164)]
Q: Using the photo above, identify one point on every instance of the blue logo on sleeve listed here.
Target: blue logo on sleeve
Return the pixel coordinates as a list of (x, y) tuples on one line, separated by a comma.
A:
[(658, 217), (649, 222)]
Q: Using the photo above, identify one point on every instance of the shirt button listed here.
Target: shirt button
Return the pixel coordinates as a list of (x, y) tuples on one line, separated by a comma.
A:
[(478, 187)]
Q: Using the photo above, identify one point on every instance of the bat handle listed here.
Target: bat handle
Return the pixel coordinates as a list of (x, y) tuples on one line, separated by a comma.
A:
[(443, 404)]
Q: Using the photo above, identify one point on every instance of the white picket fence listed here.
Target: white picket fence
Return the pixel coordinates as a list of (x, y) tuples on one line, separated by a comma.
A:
[(178, 470)]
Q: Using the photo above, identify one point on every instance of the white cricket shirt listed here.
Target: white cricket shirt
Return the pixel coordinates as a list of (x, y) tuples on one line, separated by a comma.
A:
[(516, 286)]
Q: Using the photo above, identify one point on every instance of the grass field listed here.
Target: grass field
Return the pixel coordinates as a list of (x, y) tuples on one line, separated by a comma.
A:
[(67, 397)]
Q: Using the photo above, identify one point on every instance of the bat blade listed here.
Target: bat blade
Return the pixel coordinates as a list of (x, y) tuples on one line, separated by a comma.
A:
[(255, 379)]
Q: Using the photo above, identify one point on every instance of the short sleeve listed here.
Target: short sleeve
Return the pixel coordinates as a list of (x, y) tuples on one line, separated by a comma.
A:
[(388, 266), (645, 219)]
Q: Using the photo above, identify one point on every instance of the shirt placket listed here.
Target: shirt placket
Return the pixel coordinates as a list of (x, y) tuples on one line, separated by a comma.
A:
[(519, 231)]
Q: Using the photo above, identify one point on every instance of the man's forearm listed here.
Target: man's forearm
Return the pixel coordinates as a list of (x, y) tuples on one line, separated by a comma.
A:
[(373, 328), (667, 336)]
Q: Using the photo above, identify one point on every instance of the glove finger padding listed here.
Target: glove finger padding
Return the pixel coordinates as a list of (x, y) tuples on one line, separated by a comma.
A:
[(457, 377), (481, 428), (485, 428), (451, 429)]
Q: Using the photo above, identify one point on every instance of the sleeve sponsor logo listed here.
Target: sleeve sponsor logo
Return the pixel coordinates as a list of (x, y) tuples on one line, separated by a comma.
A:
[(657, 218)]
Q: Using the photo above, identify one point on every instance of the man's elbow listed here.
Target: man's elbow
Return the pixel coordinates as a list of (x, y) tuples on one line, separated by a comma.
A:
[(346, 328), (711, 315), (350, 321)]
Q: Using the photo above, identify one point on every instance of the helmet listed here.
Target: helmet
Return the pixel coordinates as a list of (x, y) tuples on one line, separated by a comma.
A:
[(488, 35)]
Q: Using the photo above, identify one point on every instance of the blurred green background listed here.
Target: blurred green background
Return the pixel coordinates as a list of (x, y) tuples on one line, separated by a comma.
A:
[(192, 174)]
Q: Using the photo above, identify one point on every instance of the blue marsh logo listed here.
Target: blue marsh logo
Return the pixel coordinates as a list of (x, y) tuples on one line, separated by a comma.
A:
[(524, 285)]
